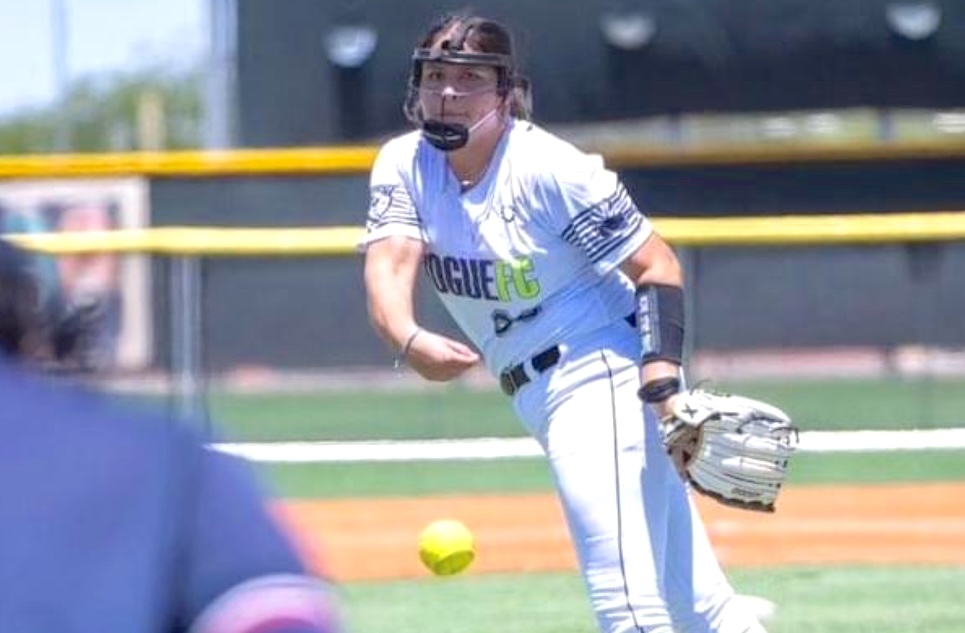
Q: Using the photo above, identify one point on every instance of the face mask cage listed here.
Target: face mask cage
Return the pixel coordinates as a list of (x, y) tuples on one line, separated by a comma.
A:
[(502, 64)]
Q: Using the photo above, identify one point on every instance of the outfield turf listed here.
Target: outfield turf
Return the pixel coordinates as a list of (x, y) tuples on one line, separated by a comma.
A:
[(808, 599), (408, 479), (456, 412)]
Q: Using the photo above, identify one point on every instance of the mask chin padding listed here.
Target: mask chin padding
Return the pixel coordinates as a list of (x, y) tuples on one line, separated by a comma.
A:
[(445, 136)]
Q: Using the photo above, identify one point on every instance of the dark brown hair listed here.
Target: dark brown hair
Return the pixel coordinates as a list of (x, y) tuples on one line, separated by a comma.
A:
[(21, 320), (57, 339), (482, 35)]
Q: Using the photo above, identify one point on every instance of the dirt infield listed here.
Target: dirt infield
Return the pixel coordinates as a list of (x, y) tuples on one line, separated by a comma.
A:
[(376, 538)]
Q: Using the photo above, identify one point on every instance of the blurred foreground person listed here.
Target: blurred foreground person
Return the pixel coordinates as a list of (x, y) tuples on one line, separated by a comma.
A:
[(119, 521)]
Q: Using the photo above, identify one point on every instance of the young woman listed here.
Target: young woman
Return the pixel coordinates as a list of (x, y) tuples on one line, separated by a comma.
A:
[(572, 300)]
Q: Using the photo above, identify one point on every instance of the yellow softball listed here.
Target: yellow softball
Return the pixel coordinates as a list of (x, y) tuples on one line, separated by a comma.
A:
[(446, 547)]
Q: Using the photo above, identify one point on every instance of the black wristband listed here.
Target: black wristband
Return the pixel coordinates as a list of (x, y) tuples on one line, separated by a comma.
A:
[(659, 389), (660, 322)]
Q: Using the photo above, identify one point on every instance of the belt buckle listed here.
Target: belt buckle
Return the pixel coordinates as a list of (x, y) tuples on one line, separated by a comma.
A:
[(506, 382)]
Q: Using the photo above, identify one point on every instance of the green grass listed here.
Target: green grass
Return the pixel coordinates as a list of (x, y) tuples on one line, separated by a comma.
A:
[(402, 479), (409, 479), (861, 599), (457, 412), (503, 603), (864, 404), (878, 467), (809, 600), (357, 415)]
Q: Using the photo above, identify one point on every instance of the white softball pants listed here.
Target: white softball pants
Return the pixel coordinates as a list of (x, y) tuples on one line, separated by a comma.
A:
[(641, 545)]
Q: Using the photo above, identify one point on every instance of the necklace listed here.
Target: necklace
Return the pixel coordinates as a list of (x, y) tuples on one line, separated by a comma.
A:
[(472, 178)]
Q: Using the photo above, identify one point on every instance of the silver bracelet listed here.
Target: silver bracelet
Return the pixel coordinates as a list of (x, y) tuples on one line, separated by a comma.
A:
[(405, 348)]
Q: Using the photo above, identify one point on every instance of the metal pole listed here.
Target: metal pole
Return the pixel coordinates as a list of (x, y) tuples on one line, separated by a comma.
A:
[(186, 329), (60, 47), (219, 75), (688, 262)]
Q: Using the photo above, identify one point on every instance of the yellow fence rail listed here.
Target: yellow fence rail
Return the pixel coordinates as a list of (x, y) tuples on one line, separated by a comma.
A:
[(359, 159), (802, 230)]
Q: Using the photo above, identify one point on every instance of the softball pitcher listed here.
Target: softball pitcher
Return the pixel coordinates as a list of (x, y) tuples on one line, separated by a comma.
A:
[(573, 302)]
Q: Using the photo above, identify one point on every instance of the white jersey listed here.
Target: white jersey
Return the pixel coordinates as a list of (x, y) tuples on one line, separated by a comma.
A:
[(526, 260), (522, 260)]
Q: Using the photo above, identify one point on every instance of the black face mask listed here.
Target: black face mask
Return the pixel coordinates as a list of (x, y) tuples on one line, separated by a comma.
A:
[(451, 136), (445, 136)]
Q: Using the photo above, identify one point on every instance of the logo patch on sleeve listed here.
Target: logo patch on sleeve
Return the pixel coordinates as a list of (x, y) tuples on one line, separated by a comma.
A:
[(381, 200)]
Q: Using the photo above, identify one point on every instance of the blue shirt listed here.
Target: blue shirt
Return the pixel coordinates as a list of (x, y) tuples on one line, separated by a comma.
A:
[(117, 521)]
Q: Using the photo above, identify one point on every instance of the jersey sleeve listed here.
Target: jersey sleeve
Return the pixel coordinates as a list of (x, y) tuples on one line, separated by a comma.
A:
[(391, 208), (242, 572), (592, 210)]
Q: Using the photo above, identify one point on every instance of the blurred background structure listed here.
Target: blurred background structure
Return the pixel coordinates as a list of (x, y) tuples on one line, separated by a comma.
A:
[(688, 71), (249, 73)]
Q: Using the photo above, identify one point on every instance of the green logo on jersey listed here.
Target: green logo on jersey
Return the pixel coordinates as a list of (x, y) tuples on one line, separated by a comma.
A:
[(492, 280), (518, 272)]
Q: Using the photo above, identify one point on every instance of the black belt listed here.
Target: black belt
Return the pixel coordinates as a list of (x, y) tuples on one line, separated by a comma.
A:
[(511, 380)]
